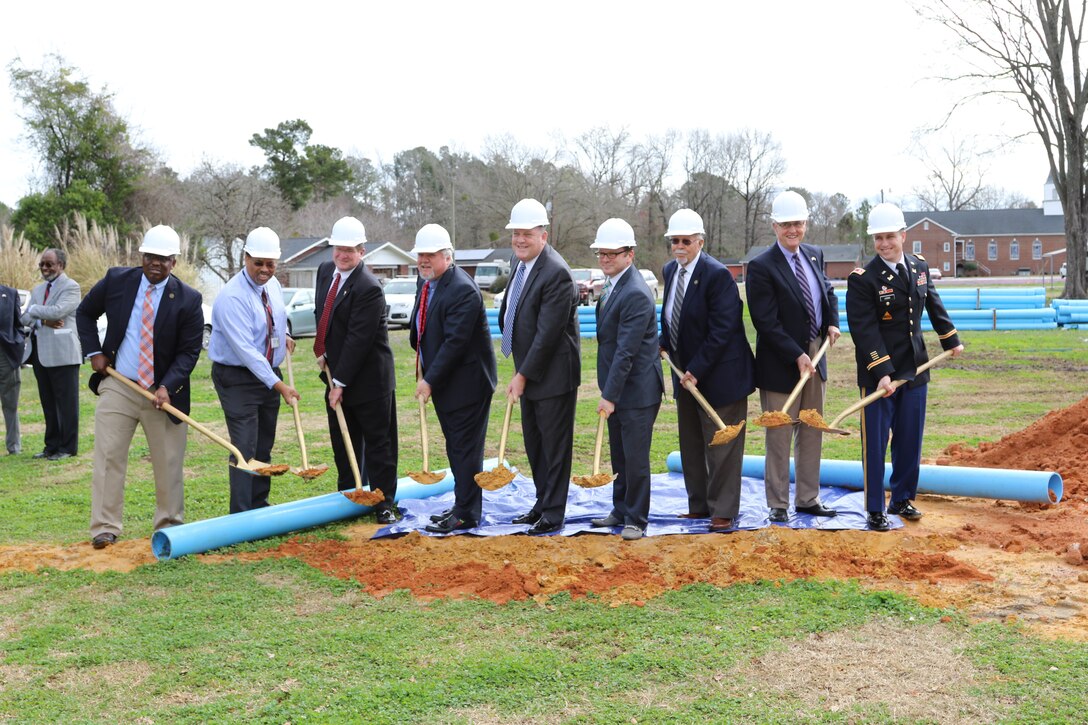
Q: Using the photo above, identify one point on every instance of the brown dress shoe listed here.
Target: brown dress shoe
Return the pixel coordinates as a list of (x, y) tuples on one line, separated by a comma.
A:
[(694, 516), (718, 524)]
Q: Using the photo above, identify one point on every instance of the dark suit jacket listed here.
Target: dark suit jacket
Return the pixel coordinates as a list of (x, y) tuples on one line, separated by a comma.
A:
[(179, 328), (11, 332), (780, 318), (712, 345), (546, 347), (357, 342), (886, 321), (458, 355), (628, 364)]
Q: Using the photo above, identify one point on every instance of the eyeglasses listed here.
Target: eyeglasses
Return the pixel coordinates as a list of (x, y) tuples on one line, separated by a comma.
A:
[(685, 242), (791, 225), (612, 255), (42, 265), (263, 263)]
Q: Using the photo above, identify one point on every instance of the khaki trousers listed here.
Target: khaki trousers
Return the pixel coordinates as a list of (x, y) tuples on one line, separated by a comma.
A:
[(807, 445), (118, 411)]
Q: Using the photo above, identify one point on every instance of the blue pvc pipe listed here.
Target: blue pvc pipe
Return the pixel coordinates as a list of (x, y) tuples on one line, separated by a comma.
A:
[(201, 536), (996, 483)]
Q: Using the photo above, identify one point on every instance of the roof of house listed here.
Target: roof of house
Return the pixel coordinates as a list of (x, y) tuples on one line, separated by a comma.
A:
[(307, 252), (990, 222)]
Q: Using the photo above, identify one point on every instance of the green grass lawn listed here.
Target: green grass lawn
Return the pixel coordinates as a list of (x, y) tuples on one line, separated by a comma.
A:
[(276, 641)]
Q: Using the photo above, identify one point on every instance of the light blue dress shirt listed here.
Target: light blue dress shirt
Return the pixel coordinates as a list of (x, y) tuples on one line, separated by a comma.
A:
[(240, 327), (128, 354)]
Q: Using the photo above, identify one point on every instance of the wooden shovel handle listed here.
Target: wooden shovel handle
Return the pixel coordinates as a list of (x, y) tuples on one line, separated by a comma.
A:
[(423, 436), (880, 393), (298, 417), (242, 463), (690, 387), (806, 375), (597, 445), (505, 430), (349, 446)]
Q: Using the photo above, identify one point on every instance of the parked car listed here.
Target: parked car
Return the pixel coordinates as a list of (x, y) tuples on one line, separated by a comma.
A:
[(1061, 270), (24, 299), (400, 296), (651, 281), (497, 302), (935, 274), (493, 276), (206, 309), (590, 284), (299, 302)]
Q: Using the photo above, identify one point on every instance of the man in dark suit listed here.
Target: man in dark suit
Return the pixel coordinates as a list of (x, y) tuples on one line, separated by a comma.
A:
[(884, 303), (352, 350), (455, 368), (51, 319), (628, 374), (793, 309), (702, 330), (155, 327), (539, 322), (11, 357)]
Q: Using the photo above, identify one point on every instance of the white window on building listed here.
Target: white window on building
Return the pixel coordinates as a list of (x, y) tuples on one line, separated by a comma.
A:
[(991, 251), (916, 246), (1014, 250), (947, 247), (1036, 249), (946, 267), (969, 249), (925, 226)]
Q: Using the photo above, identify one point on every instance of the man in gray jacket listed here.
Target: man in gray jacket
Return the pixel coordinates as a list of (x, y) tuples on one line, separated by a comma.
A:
[(51, 317)]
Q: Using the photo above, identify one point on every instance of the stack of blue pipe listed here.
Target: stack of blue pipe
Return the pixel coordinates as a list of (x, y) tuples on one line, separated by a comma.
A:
[(587, 321), (981, 308), (1071, 313)]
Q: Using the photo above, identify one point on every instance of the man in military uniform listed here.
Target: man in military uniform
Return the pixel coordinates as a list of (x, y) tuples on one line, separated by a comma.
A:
[(884, 304)]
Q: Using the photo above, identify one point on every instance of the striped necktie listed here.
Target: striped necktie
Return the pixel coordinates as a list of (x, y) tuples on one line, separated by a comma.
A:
[(806, 293), (677, 305), (145, 371), (511, 309)]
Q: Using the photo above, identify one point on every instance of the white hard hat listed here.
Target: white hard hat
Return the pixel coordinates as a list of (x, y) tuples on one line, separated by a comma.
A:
[(614, 234), (789, 206), (685, 223), (161, 240), (432, 238), (347, 232), (886, 218), (262, 243), (528, 214)]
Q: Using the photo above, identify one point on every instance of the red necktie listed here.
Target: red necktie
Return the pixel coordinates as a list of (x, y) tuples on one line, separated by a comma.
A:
[(271, 325), (48, 287), (326, 313), (422, 319)]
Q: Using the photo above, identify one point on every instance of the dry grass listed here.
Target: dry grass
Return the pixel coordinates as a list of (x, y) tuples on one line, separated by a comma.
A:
[(913, 673), (17, 259)]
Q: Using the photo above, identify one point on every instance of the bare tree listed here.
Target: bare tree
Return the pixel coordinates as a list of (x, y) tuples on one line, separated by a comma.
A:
[(954, 176), (759, 166), (1030, 52)]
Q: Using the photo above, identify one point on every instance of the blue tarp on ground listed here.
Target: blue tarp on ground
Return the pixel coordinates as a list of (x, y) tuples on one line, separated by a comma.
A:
[(668, 499)]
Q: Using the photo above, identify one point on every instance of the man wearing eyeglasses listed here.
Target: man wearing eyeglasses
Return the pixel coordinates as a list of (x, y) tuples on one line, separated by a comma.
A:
[(794, 309), (628, 375), (702, 330), (154, 331), (249, 343), (55, 354)]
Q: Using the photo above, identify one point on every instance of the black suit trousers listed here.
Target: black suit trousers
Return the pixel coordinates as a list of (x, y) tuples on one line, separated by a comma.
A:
[(465, 429), (58, 389), (372, 426), (630, 432), (251, 410), (548, 427)]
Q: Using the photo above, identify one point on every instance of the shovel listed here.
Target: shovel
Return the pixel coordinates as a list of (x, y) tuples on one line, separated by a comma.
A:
[(366, 498), (779, 418), (426, 476), (306, 472), (815, 420), (253, 467), (725, 433), (500, 475), (596, 479)]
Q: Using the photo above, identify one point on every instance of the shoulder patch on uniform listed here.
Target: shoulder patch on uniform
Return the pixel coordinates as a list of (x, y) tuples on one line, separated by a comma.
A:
[(858, 270), (919, 256)]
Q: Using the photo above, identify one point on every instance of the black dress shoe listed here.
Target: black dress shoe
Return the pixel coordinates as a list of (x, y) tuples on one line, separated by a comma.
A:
[(779, 516), (450, 524), (694, 515), (817, 509), (878, 521), (607, 522), (103, 540), (527, 518), (444, 515), (43, 454), (59, 456), (387, 516), (905, 510), (543, 526)]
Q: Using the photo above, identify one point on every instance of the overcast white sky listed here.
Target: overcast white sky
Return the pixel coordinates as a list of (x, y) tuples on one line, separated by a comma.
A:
[(840, 84)]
